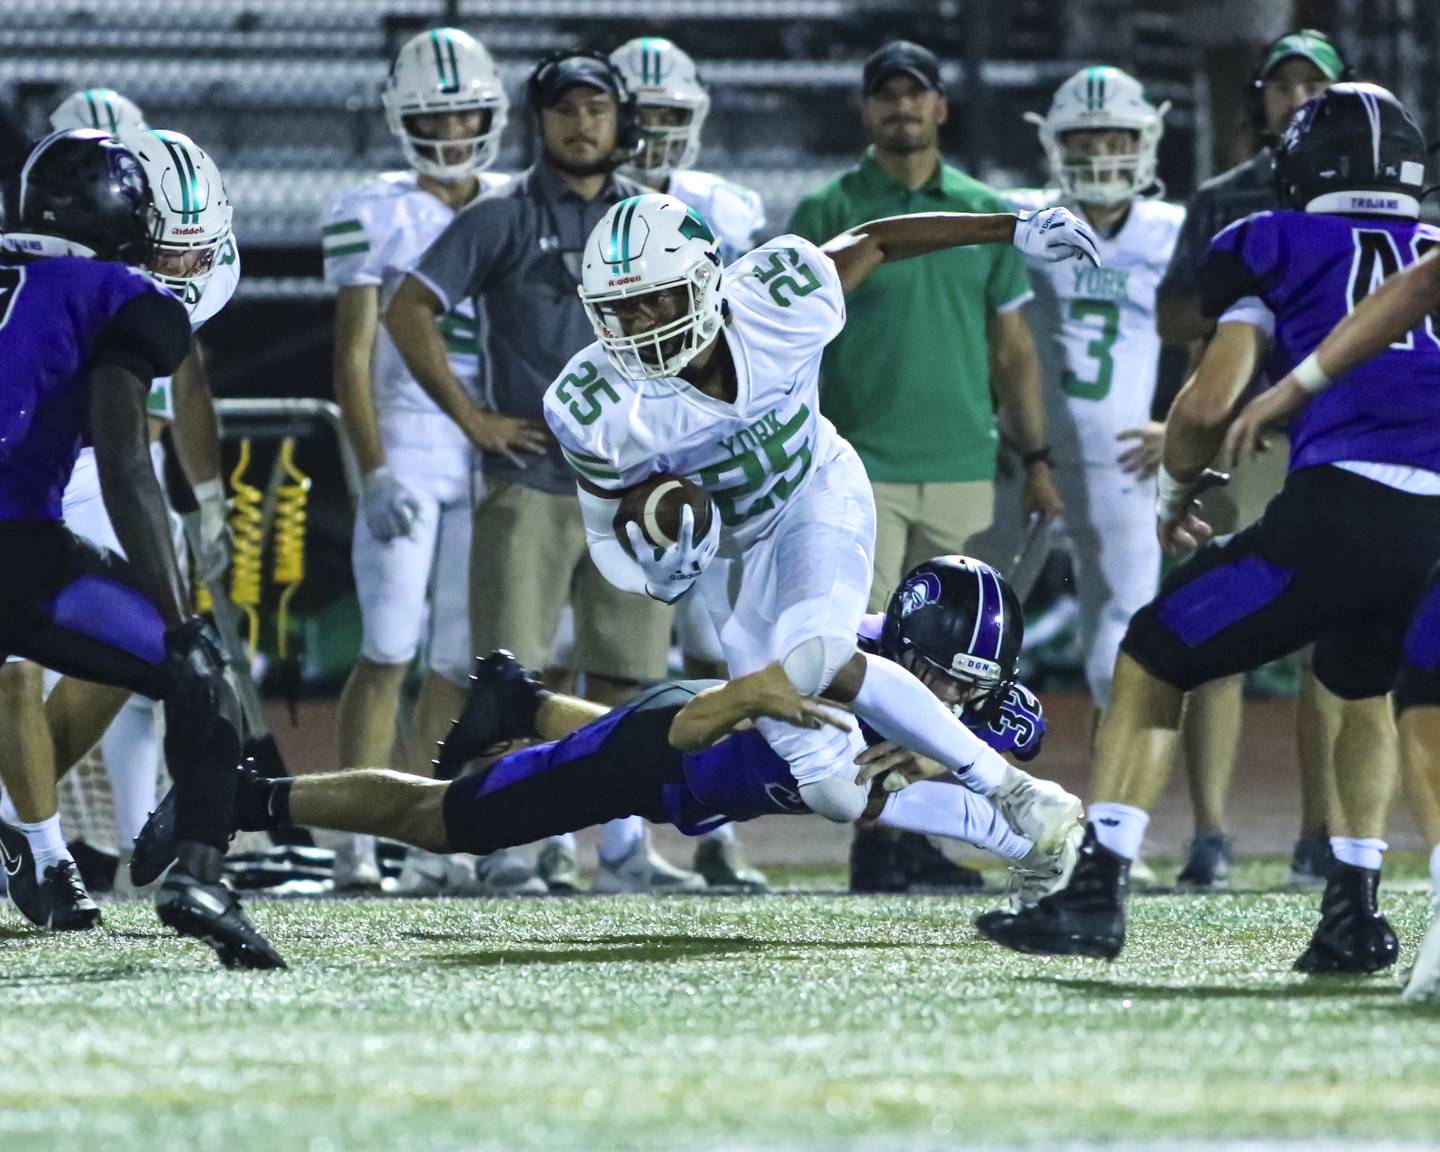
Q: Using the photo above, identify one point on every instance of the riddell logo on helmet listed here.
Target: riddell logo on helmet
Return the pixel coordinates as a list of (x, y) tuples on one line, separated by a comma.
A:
[(619, 280), (186, 231)]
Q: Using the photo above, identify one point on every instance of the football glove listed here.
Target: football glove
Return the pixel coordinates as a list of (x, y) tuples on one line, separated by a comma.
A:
[(1055, 234), (669, 572), (390, 508), (213, 553)]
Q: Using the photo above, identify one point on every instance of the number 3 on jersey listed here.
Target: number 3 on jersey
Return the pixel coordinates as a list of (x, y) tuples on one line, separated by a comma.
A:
[(592, 388), (1098, 349), (11, 281)]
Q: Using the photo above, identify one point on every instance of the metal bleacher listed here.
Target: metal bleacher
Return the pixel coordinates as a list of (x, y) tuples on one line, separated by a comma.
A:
[(285, 93)]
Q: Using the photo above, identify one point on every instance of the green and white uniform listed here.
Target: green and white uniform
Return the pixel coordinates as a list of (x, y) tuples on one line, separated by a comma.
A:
[(735, 213), (373, 236), (1095, 330), (797, 513)]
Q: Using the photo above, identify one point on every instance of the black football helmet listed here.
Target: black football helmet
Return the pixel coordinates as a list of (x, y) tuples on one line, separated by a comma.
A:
[(85, 187), (1354, 148), (963, 618)]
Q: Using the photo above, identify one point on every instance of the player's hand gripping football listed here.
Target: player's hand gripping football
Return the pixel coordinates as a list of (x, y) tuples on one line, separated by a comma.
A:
[(1055, 234), (1273, 407), (390, 508), (506, 435), (670, 571), (896, 766)]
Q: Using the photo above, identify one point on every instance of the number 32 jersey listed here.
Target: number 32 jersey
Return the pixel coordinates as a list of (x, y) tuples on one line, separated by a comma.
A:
[(784, 305), (1102, 365)]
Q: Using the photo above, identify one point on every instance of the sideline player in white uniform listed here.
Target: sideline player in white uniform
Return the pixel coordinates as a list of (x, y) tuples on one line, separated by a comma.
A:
[(445, 102), (1100, 137), (101, 108), (197, 259), (672, 104), (716, 377)]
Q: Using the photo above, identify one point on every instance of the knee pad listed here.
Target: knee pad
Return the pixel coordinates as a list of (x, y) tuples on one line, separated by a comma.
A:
[(812, 664), (203, 719), (835, 798)]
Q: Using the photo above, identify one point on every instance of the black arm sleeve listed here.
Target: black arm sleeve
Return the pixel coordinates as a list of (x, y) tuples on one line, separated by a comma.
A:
[(149, 336)]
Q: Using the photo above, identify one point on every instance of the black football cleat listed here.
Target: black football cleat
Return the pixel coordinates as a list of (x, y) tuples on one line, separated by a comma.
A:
[(1085, 918), (501, 705), (156, 845), (212, 913), (875, 862), (1352, 936), (58, 900)]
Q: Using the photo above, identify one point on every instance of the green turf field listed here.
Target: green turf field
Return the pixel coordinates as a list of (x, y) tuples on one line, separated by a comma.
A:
[(800, 1020)]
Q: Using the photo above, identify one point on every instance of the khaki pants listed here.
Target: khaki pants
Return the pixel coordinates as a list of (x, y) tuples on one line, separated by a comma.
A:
[(527, 560), (917, 521)]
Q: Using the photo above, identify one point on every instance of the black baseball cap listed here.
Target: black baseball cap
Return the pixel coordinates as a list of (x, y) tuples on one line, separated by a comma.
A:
[(901, 56), (554, 75)]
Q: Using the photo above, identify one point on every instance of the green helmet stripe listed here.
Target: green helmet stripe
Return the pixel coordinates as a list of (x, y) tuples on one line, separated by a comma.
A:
[(186, 176), (89, 95), (454, 64), (615, 234), (625, 234)]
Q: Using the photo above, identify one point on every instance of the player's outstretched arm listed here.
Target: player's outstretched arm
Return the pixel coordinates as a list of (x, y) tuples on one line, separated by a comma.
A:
[(718, 711), (1052, 234)]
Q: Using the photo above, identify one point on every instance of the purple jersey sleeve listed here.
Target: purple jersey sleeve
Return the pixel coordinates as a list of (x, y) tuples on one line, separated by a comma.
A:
[(1248, 258)]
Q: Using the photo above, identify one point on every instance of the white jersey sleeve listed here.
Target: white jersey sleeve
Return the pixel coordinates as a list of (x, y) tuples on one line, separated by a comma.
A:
[(219, 289), (735, 213), (790, 289), (590, 408), (352, 240)]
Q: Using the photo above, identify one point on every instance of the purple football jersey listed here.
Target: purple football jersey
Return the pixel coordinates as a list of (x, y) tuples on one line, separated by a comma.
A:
[(51, 310), (1311, 269)]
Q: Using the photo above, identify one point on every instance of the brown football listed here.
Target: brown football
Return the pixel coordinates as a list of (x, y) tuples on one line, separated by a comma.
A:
[(655, 505)]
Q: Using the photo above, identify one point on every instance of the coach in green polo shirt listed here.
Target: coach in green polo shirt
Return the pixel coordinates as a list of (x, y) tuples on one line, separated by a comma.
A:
[(909, 380)]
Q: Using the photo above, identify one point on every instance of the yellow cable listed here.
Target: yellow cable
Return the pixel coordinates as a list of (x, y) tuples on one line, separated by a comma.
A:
[(291, 516), (247, 528)]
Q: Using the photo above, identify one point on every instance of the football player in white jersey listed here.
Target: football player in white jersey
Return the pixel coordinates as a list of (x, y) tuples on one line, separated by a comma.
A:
[(446, 104), (672, 104), (1100, 137), (197, 258), (715, 376)]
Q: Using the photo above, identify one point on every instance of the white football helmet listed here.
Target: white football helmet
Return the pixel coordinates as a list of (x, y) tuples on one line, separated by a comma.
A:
[(660, 75), (101, 108), (445, 70), (1101, 98), (190, 197), (647, 245)]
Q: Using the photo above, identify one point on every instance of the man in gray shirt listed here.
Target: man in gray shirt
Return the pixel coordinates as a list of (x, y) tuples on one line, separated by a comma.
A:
[(517, 254)]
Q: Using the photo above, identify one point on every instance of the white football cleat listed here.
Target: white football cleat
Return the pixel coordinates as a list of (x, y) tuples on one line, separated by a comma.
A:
[(1424, 984), (1040, 873), (1040, 810), (642, 869), (356, 867), (432, 873), (507, 873)]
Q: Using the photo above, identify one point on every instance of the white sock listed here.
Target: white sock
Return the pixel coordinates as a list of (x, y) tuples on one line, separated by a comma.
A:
[(47, 843), (904, 711), (7, 810), (1119, 827), (934, 808), (131, 747), (619, 837), (721, 834), (1359, 852), (565, 840), (1435, 869)]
